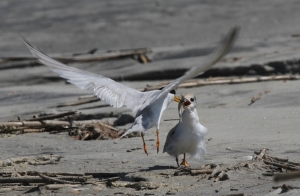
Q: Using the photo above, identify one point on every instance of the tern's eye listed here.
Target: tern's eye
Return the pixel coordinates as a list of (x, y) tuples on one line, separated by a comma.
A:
[(192, 99)]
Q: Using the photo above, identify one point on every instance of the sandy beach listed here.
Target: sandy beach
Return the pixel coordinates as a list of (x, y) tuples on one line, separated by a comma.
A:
[(179, 34)]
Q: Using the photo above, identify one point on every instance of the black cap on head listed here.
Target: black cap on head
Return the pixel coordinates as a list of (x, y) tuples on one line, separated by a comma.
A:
[(173, 92)]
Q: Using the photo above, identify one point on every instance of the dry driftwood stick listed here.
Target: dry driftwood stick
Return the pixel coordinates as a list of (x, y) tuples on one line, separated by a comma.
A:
[(282, 166), (285, 187), (106, 56), (262, 154), (215, 171), (112, 179), (92, 51), (171, 119), (33, 162), (219, 80), (258, 97), (33, 130), (55, 180), (278, 159), (201, 171), (54, 116), (12, 126), (58, 186), (83, 97), (235, 194), (79, 102), (23, 179), (53, 173), (294, 163), (221, 176), (286, 176)]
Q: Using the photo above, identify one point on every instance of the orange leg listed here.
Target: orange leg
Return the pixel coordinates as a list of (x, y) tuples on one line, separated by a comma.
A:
[(144, 144), (157, 140), (184, 162)]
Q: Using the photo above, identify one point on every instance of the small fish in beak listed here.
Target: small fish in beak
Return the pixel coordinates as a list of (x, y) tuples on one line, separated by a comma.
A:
[(182, 104)]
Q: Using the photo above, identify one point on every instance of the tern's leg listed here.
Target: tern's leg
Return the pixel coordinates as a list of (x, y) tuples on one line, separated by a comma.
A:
[(184, 162), (157, 140), (177, 161), (144, 144)]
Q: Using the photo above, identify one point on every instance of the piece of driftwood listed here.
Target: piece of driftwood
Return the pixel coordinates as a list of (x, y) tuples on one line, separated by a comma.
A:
[(286, 176), (261, 154), (9, 126), (222, 176), (79, 102), (53, 173), (109, 55), (83, 97), (258, 97), (285, 187), (55, 180), (59, 186), (223, 80), (23, 179), (201, 171), (234, 194), (282, 165), (54, 116), (92, 51), (173, 119)]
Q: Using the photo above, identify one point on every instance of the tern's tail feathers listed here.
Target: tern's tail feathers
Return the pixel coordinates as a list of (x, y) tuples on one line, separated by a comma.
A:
[(126, 133), (199, 152), (136, 127)]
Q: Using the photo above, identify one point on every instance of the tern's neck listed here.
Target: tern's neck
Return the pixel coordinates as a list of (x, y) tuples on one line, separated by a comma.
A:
[(190, 114)]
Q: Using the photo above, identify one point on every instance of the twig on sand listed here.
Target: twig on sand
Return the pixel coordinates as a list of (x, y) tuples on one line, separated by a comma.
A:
[(221, 176), (59, 186), (109, 55), (201, 171), (282, 166), (261, 154), (286, 176), (235, 194), (55, 180), (223, 80), (12, 126), (79, 102), (285, 187), (258, 97), (54, 116)]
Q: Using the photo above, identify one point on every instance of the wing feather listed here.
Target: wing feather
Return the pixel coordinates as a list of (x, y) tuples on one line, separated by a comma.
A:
[(108, 90), (209, 61)]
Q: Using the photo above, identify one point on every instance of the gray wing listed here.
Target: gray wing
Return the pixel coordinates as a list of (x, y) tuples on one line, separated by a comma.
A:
[(209, 61), (169, 139), (108, 90)]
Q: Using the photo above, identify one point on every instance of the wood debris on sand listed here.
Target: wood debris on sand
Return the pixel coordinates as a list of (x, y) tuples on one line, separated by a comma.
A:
[(79, 130)]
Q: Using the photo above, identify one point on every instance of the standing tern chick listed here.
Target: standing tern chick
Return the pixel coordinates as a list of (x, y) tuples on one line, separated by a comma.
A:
[(187, 136), (147, 106)]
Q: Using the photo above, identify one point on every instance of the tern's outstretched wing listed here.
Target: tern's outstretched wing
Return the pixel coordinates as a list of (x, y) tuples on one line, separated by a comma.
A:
[(208, 62), (108, 90)]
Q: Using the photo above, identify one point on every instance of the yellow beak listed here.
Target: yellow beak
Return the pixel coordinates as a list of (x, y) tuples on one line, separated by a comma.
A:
[(176, 98)]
